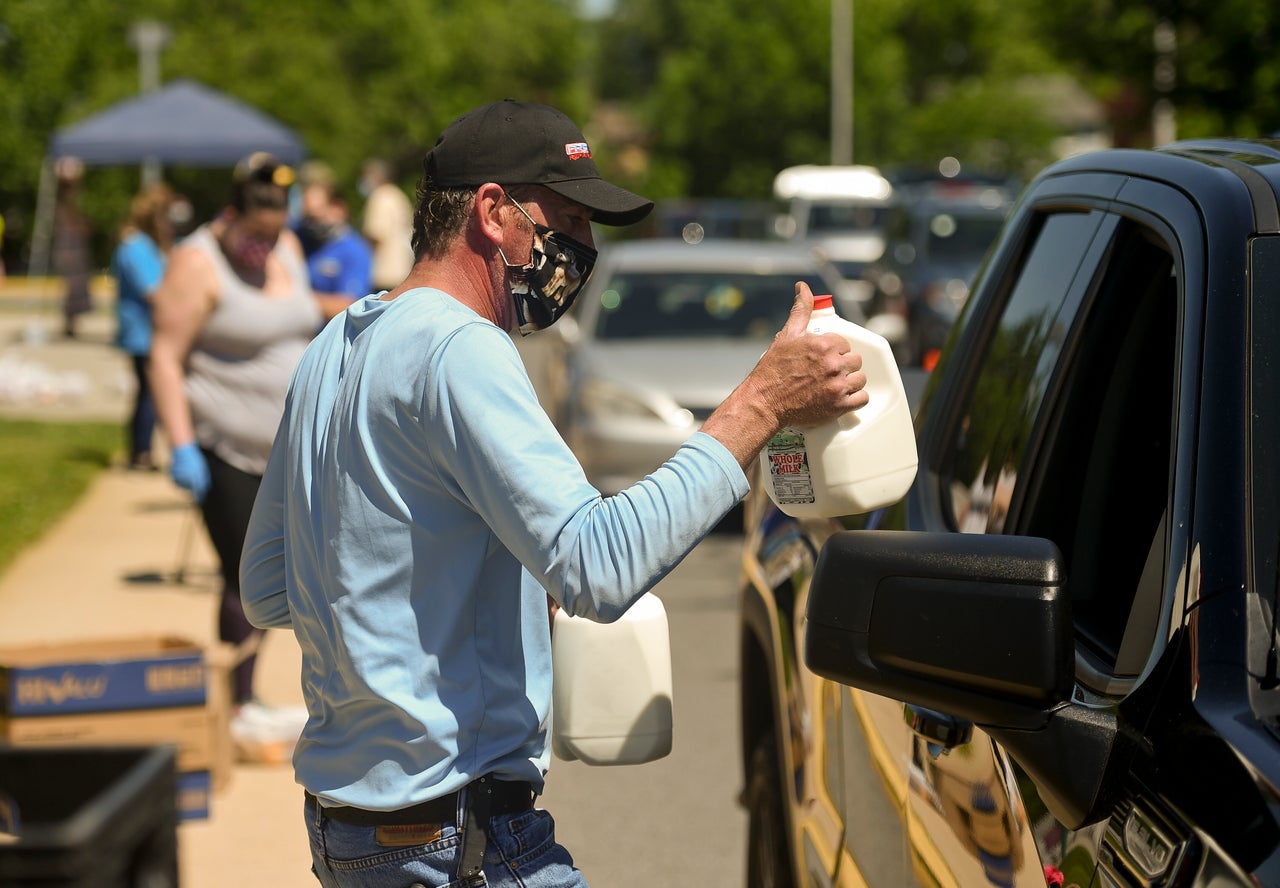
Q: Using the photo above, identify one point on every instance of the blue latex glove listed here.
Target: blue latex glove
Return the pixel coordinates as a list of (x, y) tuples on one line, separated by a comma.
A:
[(189, 470)]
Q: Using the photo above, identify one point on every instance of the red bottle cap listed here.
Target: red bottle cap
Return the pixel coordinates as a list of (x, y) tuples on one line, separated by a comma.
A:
[(821, 302)]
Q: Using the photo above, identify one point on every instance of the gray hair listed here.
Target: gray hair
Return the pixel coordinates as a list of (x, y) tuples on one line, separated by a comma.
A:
[(439, 217)]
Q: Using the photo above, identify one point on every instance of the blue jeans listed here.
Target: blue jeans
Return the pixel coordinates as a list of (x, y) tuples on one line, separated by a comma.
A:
[(521, 853)]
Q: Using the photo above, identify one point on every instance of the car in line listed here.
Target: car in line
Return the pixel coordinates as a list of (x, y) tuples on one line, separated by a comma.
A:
[(1055, 661), (661, 334), (937, 233), (841, 209), (697, 219)]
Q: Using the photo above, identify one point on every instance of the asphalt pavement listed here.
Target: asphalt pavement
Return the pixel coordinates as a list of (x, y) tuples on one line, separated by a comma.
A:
[(131, 559)]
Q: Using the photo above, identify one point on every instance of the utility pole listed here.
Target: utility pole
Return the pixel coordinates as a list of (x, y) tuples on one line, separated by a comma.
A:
[(841, 81), (149, 38), (1164, 127)]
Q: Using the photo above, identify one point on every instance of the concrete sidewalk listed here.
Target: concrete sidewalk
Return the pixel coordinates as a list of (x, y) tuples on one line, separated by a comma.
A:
[(110, 568)]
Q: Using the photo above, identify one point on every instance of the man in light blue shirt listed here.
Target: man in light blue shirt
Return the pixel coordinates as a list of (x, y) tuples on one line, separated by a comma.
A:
[(419, 508)]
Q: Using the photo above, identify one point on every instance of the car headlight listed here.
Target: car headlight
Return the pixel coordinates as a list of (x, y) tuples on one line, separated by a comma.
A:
[(605, 400)]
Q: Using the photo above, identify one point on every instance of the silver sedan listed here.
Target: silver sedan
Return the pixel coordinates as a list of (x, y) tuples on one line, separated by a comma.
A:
[(662, 333)]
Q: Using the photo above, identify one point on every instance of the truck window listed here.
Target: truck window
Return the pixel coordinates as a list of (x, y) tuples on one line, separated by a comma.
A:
[(1106, 480), (1068, 432), (1011, 382)]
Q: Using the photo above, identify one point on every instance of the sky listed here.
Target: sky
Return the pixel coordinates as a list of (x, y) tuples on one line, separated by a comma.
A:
[(596, 8)]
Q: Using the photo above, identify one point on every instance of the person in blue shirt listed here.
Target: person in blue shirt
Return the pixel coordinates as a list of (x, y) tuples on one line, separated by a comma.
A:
[(339, 259), (419, 510), (137, 265)]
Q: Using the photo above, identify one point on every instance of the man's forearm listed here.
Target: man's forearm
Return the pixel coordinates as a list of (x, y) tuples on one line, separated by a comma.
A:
[(743, 424)]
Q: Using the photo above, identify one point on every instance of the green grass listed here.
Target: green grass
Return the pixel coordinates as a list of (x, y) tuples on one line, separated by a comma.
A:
[(44, 468)]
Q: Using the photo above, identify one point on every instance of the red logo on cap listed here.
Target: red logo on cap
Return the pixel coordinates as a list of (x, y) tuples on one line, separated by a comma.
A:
[(577, 150)]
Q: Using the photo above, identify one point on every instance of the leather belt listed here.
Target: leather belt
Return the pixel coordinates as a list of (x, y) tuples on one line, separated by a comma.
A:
[(505, 797)]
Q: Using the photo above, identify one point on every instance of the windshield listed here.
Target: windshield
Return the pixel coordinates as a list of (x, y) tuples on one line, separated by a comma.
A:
[(834, 217), (721, 305)]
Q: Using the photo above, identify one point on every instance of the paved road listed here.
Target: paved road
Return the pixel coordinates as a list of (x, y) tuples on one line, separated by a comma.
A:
[(675, 821)]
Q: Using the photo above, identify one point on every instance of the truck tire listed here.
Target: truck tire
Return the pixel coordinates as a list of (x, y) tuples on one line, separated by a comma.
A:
[(768, 844)]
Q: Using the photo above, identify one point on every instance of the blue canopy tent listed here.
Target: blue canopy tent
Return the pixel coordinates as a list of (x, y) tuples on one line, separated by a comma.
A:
[(182, 124)]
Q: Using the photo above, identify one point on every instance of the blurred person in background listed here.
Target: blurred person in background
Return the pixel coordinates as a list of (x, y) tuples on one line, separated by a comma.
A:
[(71, 243), (137, 265), (339, 260), (233, 314), (421, 517), (387, 224)]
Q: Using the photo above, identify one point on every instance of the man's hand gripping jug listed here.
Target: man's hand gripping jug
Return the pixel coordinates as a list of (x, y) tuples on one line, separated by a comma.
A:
[(862, 461)]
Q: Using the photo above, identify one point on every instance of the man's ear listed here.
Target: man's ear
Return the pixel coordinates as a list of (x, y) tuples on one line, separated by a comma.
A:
[(489, 199)]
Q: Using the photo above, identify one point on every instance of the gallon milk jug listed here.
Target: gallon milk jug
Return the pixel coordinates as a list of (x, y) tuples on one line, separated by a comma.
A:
[(862, 461), (611, 690)]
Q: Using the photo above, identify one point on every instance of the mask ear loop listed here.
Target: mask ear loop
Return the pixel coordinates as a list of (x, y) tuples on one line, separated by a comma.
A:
[(555, 249), (539, 231), (521, 298), (522, 272), (524, 300)]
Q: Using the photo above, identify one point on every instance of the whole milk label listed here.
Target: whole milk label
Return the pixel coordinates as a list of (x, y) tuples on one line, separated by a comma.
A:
[(789, 468)]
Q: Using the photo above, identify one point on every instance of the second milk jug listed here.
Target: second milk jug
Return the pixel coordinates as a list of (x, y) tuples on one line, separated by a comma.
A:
[(862, 461), (611, 686)]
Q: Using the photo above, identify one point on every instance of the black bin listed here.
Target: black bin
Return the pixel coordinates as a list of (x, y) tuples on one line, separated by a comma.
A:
[(89, 816)]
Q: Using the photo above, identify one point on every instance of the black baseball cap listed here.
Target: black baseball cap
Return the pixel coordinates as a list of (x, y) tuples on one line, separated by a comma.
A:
[(519, 143)]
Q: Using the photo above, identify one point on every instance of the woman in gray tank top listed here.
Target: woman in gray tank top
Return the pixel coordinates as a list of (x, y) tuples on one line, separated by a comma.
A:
[(232, 317)]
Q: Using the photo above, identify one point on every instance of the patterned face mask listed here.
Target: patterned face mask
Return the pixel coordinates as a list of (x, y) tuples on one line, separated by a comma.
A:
[(252, 252), (546, 286)]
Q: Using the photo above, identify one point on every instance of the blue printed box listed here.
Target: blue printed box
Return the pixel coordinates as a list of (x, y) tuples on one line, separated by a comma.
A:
[(195, 792), (101, 676)]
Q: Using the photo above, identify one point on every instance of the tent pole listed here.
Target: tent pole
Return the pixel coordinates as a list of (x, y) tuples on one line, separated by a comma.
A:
[(152, 171), (42, 233), (41, 240)]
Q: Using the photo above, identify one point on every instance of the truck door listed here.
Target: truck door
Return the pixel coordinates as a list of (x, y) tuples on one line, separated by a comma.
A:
[(973, 820)]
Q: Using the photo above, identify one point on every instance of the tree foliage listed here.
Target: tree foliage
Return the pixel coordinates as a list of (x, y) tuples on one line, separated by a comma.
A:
[(359, 79), (702, 98), (1225, 67), (731, 92)]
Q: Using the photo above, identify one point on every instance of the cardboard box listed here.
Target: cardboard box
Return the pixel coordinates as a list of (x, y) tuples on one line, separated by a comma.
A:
[(191, 729), (166, 670), (220, 659), (195, 795), (101, 676)]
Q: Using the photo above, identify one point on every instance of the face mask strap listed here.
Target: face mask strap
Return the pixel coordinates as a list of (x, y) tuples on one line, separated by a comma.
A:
[(551, 258)]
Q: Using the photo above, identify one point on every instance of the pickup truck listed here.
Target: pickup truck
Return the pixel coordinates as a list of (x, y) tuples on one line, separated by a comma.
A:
[(1054, 662)]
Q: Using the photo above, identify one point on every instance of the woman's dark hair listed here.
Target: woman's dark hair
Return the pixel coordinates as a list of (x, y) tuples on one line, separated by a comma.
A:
[(261, 181)]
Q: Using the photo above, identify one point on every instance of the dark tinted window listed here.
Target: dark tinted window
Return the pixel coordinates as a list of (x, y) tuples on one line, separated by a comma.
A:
[(1071, 422), (829, 218), (1104, 479), (1011, 383)]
